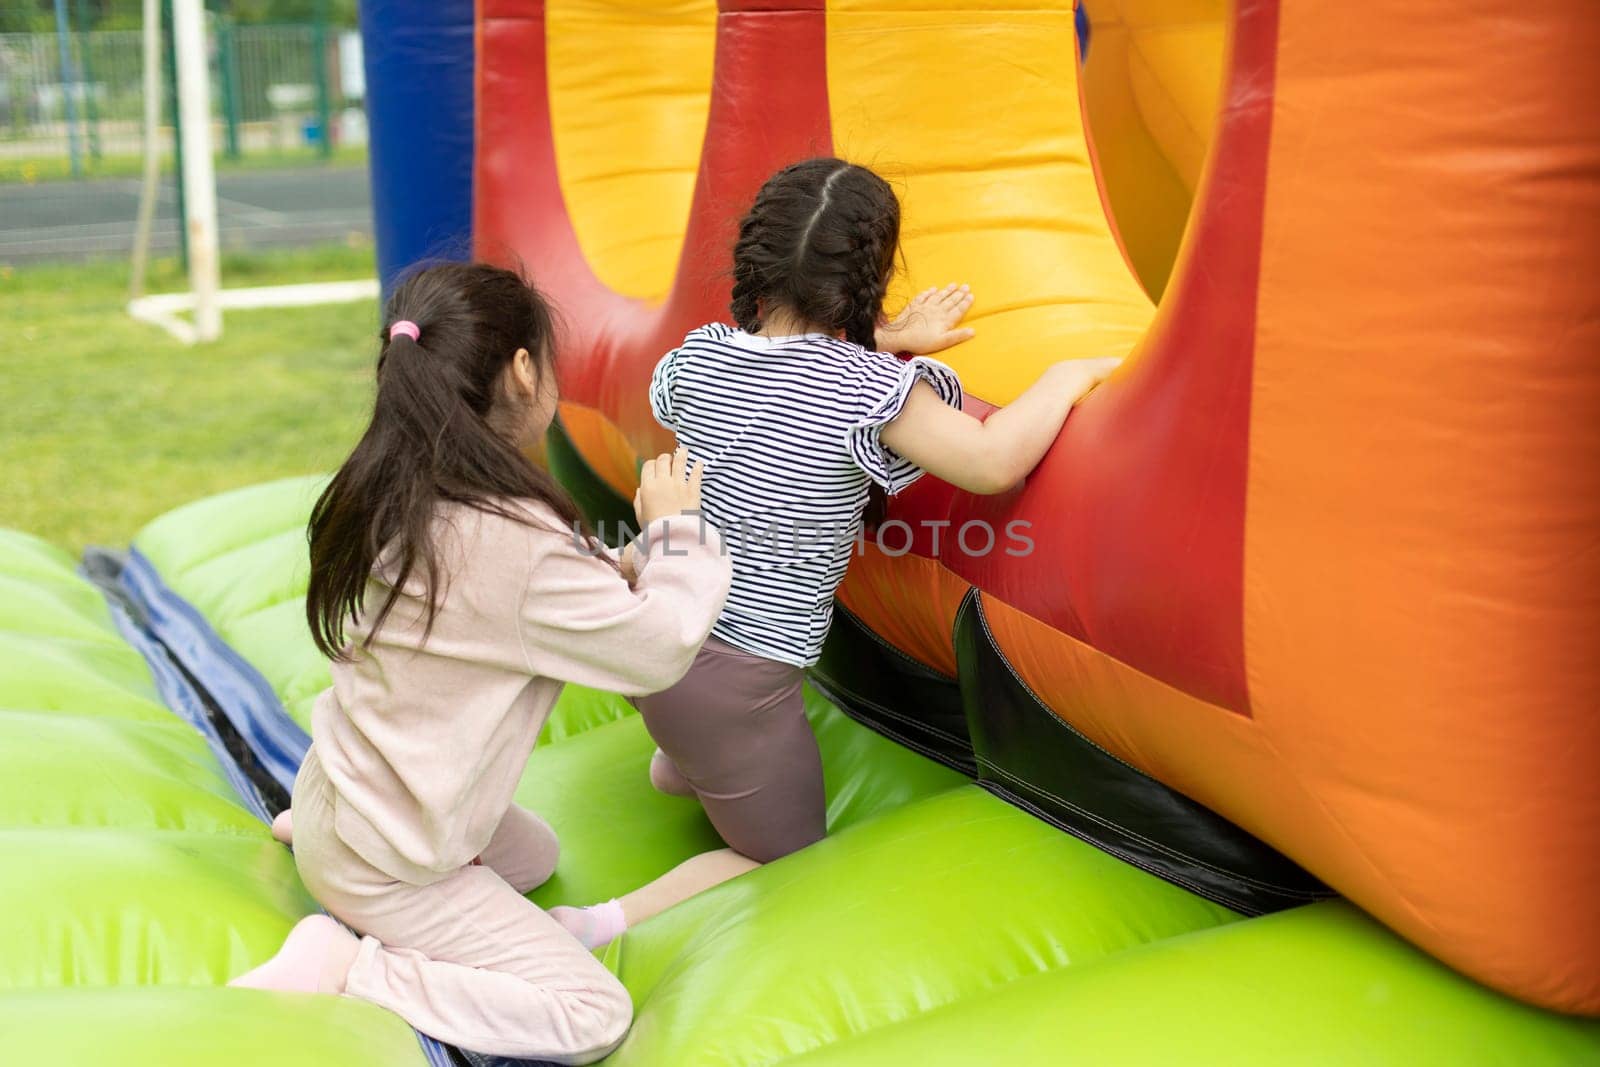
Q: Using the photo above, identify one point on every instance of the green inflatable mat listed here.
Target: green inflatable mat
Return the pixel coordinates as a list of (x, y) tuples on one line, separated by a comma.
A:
[(133, 880), (196, 1026), (935, 924)]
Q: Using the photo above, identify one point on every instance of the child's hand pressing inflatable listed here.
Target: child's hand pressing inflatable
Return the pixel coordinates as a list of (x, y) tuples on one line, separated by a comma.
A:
[(667, 486), (928, 323)]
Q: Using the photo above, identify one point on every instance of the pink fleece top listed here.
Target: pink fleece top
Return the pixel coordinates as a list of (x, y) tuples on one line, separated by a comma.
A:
[(424, 740)]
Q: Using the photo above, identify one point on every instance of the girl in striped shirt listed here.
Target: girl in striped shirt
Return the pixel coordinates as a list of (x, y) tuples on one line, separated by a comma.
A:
[(799, 415)]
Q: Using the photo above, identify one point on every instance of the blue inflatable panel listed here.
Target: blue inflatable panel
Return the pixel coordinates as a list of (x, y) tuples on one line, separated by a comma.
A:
[(181, 696), (420, 62), (243, 696)]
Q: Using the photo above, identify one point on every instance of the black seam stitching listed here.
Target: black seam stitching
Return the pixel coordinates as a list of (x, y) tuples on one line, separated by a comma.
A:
[(914, 723), (1131, 858), (1157, 846), (1026, 688), (1063, 724), (886, 646), (834, 693)]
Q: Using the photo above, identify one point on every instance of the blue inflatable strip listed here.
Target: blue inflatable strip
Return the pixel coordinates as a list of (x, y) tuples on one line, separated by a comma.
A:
[(438, 1054), (179, 694), (243, 696), (483, 1059)]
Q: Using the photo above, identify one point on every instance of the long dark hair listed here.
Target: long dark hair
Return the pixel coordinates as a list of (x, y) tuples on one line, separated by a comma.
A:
[(430, 441), (820, 241)]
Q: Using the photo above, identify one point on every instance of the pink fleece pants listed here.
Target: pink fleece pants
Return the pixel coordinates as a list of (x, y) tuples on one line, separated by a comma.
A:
[(467, 959)]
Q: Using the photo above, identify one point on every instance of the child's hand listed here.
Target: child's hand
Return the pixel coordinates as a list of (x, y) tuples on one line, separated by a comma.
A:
[(667, 487), (928, 324), (628, 565)]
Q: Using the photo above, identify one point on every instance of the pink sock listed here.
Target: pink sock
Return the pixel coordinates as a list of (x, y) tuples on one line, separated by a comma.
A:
[(314, 959), (594, 926), (283, 826)]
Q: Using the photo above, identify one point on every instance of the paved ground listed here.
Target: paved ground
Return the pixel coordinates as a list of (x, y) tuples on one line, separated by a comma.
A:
[(256, 209)]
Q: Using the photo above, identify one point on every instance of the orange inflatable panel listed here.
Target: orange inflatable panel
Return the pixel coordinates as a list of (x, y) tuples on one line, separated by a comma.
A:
[(1324, 556)]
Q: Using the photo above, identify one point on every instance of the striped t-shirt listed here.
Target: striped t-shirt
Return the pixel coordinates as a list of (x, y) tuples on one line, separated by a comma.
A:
[(788, 429)]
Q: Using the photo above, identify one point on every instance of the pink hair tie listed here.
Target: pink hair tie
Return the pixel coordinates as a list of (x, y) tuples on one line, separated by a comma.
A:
[(406, 327)]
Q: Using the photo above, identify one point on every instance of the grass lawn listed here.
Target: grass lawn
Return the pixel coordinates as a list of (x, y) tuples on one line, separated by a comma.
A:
[(107, 422), (57, 167)]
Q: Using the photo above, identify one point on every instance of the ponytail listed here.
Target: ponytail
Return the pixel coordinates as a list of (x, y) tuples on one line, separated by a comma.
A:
[(429, 442)]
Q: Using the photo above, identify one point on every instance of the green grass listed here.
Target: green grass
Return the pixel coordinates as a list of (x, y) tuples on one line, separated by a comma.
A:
[(31, 170), (107, 422)]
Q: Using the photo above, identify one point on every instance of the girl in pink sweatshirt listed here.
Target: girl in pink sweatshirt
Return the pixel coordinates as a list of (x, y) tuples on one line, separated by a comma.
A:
[(455, 589)]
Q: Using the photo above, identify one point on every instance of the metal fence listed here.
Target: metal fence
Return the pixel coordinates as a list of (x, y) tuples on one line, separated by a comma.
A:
[(76, 103)]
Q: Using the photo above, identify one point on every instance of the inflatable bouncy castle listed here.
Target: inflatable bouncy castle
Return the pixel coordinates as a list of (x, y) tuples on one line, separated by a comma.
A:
[(1278, 746)]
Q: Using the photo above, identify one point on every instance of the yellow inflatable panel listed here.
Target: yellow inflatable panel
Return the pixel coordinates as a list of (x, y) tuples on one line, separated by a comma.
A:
[(1151, 84), (1026, 227), (628, 103)]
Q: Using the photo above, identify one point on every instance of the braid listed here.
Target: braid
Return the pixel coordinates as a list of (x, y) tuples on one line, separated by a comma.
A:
[(819, 242), (866, 280), (751, 258)]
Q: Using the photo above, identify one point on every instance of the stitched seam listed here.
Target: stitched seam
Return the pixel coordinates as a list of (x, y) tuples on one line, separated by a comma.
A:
[(917, 724), (1064, 724), (912, 723), (1154, 845), (899, 654), (902, 739), (1056, 719), (968, 599), (886, 646), (1122, 854), (894, 735)]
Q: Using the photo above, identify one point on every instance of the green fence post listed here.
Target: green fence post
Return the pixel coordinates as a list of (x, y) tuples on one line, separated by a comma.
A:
[(86, 69), (69, 104), (228, 63), (319, 57), (177, 132)]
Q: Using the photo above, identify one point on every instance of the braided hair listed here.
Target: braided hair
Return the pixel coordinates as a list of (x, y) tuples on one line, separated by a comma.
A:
[(820, 242)]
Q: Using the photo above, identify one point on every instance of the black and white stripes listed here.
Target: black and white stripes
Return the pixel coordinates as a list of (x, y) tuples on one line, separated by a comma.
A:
[(788, 428)]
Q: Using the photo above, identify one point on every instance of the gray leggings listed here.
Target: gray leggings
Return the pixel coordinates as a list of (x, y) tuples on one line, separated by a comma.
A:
[(736, 729)]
